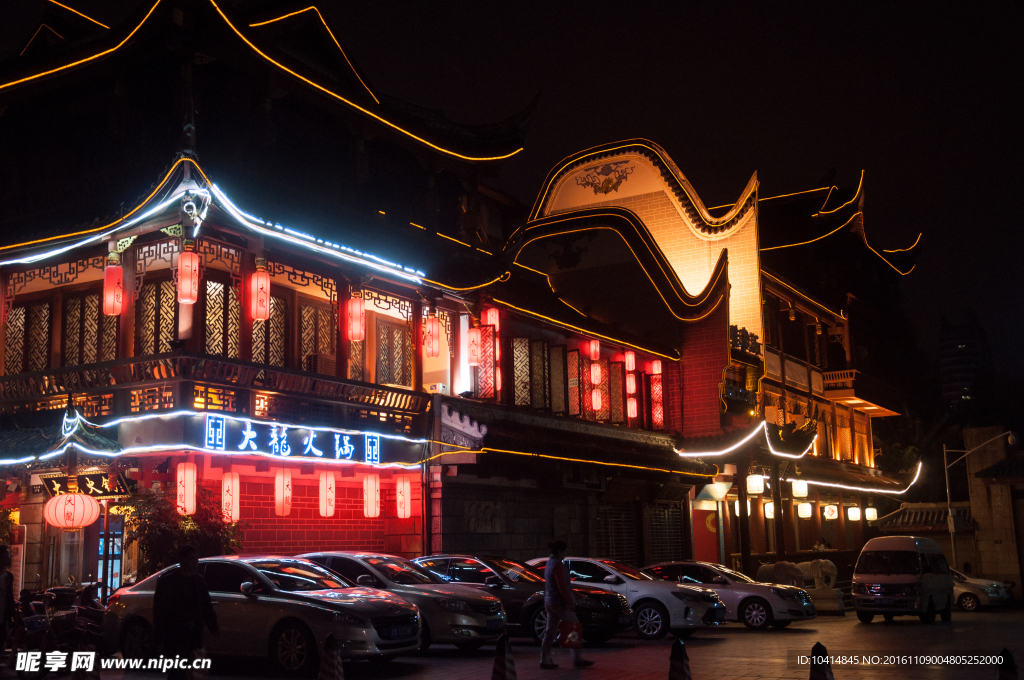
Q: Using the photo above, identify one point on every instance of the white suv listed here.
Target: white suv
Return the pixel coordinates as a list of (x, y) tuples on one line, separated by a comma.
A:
[(758, 605), (658, 606)]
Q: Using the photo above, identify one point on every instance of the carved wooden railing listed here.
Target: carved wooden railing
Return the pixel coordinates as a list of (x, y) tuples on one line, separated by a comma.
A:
[(839, 379)]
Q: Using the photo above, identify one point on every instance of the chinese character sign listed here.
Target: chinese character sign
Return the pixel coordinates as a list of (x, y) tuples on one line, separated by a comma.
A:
[(216, 432), (371, 448)]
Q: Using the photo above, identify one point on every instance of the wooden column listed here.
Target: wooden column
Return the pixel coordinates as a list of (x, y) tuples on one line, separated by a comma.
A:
[(744, 528), (841, 526), (859, 526), (758, 542), (790, 524), (836, 446), (725, 542), (417, 345), (816, 518), (780, 542)]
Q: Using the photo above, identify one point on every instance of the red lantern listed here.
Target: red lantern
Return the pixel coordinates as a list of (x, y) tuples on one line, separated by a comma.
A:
[(356, 319), (188, 275), (327, 494), (283, 492), (403, 497), (595, 373), (497, 378), (630, 383), (631, 407), (371, 495), (474, 346), (656, 367), (259, 291), (186, 501), (431, 337), (595, 399), (113, 287), (71, 511), (595, 350), (492, 318), (230, 496), (630, 360)]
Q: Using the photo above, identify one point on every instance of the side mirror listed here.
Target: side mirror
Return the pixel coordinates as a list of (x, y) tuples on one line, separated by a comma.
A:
[(248, 589), (494, 581), (721, 580), (367, 581), (613, 579)]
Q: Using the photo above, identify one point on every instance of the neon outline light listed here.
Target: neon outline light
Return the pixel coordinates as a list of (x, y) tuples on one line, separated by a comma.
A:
[(75, 11), (865, 489), (41, 27), (763, 425)]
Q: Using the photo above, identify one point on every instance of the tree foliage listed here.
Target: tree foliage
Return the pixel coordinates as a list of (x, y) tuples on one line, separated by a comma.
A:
[(6, 526)]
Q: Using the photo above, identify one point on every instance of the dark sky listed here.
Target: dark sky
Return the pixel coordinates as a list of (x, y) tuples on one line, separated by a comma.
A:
[(925, 97)]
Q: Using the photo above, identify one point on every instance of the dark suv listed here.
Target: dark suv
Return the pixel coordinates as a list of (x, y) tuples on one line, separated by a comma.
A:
[(521, 591)]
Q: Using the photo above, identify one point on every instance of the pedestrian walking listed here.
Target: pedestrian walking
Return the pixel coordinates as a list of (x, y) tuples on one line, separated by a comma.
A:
[(7, 607), (181, 609), (559, 606)]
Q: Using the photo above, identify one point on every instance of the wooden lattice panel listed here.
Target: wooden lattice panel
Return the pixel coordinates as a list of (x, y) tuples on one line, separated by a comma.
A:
[(167, 306), (540, 375), (485, 387), (605, 413), (90, 328), (556, 367), (72, 331), (521, 371), (586, 388), (275, 332), (232, 328), (108, 338), (307, 340), (574, 389), (14, 349), (37, 352), (215, 318), (147, 319), (657, 403), (617, 391), (356, 354)]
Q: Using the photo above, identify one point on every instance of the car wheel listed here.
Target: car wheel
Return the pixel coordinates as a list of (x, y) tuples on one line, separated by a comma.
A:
[(425, 639), (968, 602), (468, 646), (865, 617), (888, 617), (537, 623), (756, 614), (137, 640), (650, 621), (780, 624), (293, 650), (928, 616)]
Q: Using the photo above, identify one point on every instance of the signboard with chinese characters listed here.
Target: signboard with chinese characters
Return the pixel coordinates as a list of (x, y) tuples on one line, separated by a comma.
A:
[(95, 484)]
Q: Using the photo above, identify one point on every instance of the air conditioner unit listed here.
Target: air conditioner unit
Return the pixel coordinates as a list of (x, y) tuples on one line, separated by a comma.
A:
[(324, 364), (438, 388)]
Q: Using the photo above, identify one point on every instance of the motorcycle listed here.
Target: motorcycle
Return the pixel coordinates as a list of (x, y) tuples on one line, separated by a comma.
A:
[(60, 619)]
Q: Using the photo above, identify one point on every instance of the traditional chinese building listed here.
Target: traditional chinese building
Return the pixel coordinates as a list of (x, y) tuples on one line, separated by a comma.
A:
[(304, 298)]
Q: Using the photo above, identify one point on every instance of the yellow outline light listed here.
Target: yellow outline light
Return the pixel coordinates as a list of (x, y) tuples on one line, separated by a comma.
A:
[(768, 198), (504, 277), (855, 195), (41, 27), (330, 33), (803, 243), (75, 11), (461, 243), (803, 295), (903, 250)]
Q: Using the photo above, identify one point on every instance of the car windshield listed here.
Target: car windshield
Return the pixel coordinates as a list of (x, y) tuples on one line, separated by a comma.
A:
[(402, 572), (515, 571), (888, 562), (628, 571), (735, 575), (294, 575)]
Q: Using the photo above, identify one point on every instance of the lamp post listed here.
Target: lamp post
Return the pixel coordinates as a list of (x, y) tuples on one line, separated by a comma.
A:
[(1011, 439)]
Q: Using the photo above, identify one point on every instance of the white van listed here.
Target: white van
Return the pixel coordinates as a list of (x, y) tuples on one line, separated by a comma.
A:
[(901, 575)]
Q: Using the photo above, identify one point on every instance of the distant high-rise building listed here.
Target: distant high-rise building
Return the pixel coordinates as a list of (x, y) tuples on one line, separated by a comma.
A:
[(963, 354)]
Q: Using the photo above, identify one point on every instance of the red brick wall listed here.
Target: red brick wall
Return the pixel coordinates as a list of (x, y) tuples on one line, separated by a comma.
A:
[(705, 355), (304, 530)]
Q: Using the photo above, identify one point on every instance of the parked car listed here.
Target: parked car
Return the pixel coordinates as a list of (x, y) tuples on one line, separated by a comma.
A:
[(279, 607), (902, 575), (970, 594), (658, 606), (521, 592), (452, 614), (758, 605)]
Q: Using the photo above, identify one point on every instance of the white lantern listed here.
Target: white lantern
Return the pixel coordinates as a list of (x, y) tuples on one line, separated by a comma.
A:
[(755, 485), (799, 489), (853, 512), (769, 510), (803, 510), (831, 512), (871, 514)]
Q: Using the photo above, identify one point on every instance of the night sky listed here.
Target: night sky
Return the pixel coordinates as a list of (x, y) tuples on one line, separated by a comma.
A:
[(925, 97)]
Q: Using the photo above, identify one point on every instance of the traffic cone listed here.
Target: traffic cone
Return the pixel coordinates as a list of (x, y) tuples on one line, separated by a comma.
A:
[(679, 667), (504, 663), (1008, 668), (820, 671), (330, 664)]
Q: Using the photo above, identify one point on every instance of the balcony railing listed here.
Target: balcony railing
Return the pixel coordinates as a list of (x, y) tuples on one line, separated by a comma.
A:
[(838, 380)]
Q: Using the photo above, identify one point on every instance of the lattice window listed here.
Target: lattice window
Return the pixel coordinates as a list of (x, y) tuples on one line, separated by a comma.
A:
[(587, 389), (520, 371), (573, 382), (317, 332), (95, 405), (356, 360), (845, 438), (617, 391), (540, 371), (208, 398), (155, 398), (485, 387), (605, 413), (28, 338), (657, 403), (89, 336), (394, 354), (556, 367), (268, 336), (157, 317), (223, 310)]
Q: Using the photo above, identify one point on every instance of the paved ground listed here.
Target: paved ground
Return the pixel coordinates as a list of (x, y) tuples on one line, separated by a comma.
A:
[(723, 654)]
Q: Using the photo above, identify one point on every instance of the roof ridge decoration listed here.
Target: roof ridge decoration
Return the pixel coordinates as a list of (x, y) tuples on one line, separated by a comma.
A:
[(234, 29), (682, 190), (34, 35)]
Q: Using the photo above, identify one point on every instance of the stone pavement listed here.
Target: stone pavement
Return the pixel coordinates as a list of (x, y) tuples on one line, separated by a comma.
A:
[(727, 653)]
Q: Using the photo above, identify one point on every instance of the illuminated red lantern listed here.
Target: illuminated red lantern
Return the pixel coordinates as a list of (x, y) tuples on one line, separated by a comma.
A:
[(371, 495), (403, 497), (474, 346), (259, 291), (492, 318), (630, 383), (432, 337), (113, 286), (595, 350), (631, 407), (230, 496), (283, 492), (356, 319), (595, 373), (595, 399), (630, 360), (188, 275), (71, 511), (186, 499), (327, 494), (656, 367), (497, 378)]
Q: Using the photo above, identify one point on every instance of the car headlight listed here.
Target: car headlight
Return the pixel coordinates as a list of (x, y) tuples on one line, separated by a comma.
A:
[(913, 589), (786, 593), (992, 590), (860, 589), (454, 606), (347, 619), (686, 596)]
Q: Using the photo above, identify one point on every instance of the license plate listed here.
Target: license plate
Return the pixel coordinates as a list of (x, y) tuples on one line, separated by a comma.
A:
[(403, 631), (625, 620), (884, 600), (495, 624)]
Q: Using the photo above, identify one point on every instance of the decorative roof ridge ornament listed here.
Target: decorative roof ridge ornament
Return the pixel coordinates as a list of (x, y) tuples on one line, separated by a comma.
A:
[(464, 424)]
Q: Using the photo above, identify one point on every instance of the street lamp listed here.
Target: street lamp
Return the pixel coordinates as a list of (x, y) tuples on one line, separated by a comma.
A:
[(1011, 439)]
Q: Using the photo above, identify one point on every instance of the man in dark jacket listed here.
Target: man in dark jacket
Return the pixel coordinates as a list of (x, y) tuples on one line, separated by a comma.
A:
[(181, 608), (559, 606)]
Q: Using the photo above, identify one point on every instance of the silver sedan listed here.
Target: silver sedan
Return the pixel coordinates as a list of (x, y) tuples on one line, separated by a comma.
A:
[(278, 607)]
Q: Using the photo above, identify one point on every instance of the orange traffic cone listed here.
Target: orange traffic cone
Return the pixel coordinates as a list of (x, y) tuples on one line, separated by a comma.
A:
[(823, 670), (1008, 668), (679, 667), (330, 664), (504, 664)]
